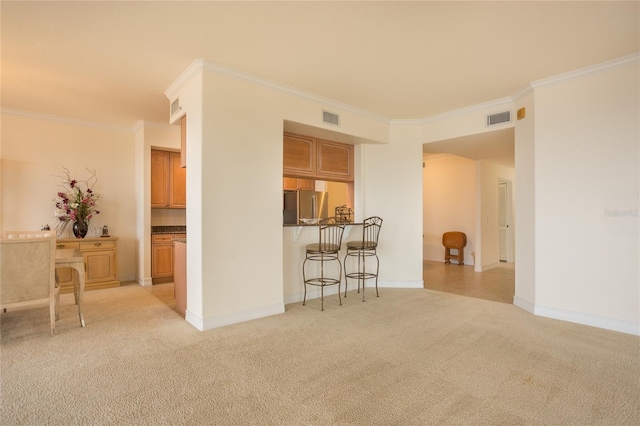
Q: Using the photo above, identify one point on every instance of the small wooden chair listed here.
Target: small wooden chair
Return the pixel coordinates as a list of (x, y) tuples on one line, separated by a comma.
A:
[(456, 241)]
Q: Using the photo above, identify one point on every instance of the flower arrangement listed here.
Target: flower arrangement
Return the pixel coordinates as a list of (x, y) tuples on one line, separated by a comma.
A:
[(77, 203)]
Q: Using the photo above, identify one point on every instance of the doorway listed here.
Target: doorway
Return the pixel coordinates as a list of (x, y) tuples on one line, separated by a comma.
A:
[(505, 222)]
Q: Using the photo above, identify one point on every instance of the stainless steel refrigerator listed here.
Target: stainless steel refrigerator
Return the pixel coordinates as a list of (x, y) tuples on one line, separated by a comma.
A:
[(305, 205)]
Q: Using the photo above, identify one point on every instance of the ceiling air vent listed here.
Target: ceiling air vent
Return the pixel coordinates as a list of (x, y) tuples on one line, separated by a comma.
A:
[(499, 118), (175, 107), (330, 118)]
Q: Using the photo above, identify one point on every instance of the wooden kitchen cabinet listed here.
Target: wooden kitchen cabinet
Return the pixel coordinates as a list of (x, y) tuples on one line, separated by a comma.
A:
[(334, 161), (159, 179), (168, 180), (306, 157), (294, 184), (100, 262), (299, 156), (178, 182), (162, 257)]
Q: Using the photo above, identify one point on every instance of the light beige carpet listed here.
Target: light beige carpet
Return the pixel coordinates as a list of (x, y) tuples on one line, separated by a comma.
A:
[(410, 357)]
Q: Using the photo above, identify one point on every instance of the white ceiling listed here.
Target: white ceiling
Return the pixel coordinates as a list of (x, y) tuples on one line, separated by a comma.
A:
[(110, 62)]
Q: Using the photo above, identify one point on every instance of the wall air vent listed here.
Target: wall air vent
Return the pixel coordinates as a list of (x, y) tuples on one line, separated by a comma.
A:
[(175, 107), (330, 118), (499, 118)]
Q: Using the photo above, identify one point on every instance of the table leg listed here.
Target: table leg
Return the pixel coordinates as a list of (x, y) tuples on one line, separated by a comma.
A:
[(78, 292)]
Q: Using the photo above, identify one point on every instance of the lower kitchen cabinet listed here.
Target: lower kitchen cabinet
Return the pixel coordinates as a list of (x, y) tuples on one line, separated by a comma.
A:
[(162, 257), (100, 263)]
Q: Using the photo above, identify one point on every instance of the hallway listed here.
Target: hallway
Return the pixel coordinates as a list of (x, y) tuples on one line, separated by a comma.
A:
[(496, 284)]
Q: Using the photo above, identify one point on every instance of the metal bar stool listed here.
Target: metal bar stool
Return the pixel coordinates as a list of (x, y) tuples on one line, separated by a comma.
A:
[(361, 249), (325, 250)]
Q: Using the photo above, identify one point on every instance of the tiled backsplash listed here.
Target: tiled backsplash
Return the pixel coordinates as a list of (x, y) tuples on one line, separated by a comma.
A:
[(169, 229)]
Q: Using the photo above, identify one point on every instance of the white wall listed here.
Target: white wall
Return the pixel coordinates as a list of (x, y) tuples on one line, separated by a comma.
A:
[(586, 166), (34, 151), (238, 155), (577, 162), (449, 203)]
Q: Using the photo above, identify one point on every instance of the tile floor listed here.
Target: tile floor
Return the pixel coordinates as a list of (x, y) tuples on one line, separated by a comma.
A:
[(497, 284)]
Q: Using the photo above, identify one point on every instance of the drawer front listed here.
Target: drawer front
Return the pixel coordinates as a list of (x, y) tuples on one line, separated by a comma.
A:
[(75, 246), (182, 236), (97, 245), (162, 238)]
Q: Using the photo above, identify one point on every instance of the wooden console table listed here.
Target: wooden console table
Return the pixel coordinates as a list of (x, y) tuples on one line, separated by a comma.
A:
[(100, 259)]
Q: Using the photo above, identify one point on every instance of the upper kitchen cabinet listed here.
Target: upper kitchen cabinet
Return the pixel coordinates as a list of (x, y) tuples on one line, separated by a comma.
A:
[(168, 180), (178, 182), (334, 161), (299, 156), (306, 157), (294, 184)]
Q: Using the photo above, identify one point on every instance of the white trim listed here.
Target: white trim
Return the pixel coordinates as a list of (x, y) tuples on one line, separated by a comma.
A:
[(526, 90), (589, 319), (314, 293), (173, 91), (64, 120), (145, 282), (502, 103), (613, 324), (201, 65), (398, 284), (237, 317), (144, 123), (484, 268), (604, 66), (194, 320)]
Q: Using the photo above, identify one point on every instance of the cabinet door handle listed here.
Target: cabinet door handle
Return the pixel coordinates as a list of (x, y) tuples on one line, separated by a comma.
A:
[(97, 244), (59, 246)]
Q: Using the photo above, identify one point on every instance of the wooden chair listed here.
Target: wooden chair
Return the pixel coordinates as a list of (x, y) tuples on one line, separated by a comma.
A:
[(27, 271), (456, 241)]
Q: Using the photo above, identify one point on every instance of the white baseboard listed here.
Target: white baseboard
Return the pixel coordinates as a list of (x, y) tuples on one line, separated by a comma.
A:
[(314, 293), (145, 282), (234, 318), (399, 284), (468, 261), (612, 324)]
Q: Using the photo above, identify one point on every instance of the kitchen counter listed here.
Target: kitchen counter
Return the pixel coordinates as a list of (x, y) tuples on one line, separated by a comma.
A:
[(317, 224)]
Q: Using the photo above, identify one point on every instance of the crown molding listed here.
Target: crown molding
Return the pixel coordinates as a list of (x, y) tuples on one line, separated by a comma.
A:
[(201, 65), (143, 123), (57, 119), (502, 103), (593, 69), (192, 70), (526, 90)]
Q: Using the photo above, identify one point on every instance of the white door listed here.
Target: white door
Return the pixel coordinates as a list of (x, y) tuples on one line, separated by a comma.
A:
[(504, 225)]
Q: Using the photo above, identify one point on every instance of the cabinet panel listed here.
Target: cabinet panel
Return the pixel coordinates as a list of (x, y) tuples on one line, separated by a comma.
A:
[(178, 185), (162, 260), (100, 266), (294, 184), (298, 155), (335, 161), (159, 179)]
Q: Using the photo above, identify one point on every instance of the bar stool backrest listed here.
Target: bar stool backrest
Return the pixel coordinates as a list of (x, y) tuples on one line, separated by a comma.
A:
[(330, 236), (371, 231)]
